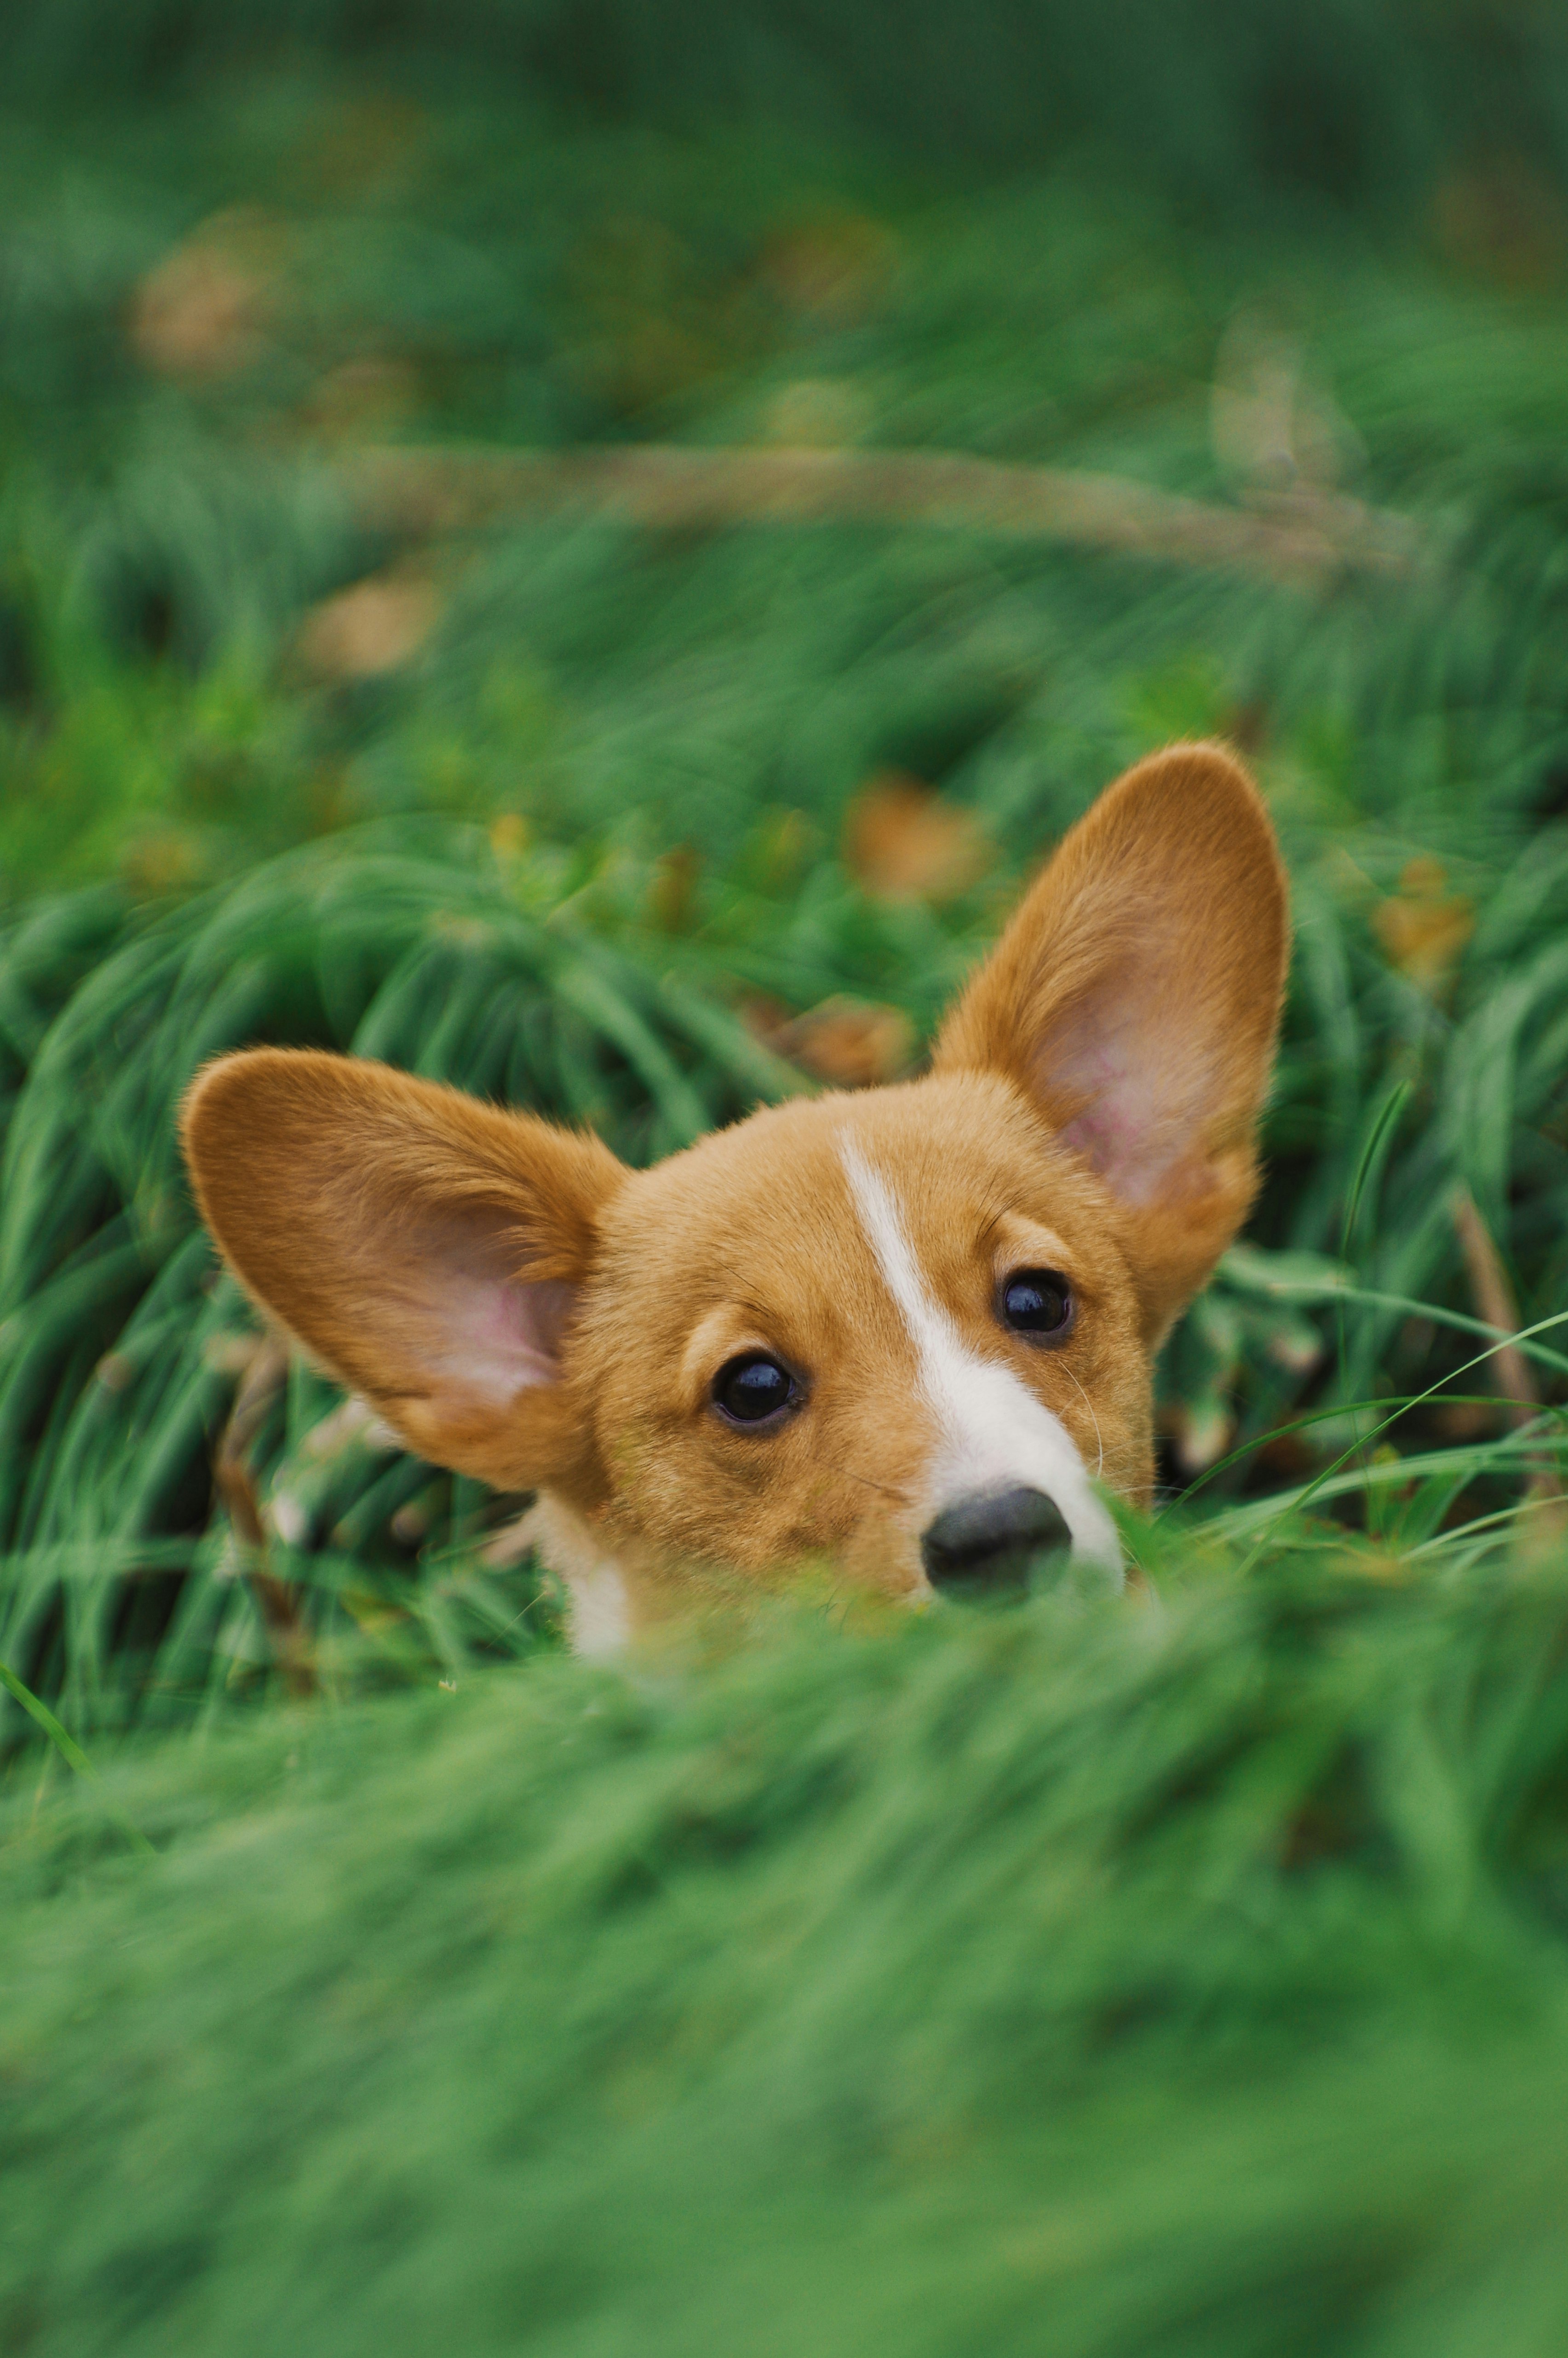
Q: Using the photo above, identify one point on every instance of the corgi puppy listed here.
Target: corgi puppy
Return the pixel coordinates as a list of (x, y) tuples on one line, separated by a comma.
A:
[(910, 1329)]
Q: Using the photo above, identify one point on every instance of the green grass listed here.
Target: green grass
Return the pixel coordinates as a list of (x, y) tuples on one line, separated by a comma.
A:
[(123, 1342), (1161, 1979), (1185, 1982), (1360, 100), (203, 839)]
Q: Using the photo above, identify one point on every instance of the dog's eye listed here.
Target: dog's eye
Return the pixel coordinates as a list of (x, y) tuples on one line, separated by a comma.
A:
[(1036, 1301), (753, 1388)]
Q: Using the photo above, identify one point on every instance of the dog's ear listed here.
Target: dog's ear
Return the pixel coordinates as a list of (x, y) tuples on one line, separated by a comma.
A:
[(425, 1247), (1135, 999)]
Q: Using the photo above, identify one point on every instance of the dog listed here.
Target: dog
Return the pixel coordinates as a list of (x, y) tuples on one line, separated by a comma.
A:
[(909, 1330)]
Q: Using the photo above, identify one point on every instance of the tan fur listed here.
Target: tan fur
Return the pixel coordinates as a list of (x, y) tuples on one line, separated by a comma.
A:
[(1170, 897), (520, 1306)]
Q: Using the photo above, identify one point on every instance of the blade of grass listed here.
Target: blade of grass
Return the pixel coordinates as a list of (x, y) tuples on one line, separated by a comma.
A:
[(1294, 1500), (70, 1752), (1372, 1156)]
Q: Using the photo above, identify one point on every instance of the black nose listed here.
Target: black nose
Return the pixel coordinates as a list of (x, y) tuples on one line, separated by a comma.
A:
[(986, 1544)]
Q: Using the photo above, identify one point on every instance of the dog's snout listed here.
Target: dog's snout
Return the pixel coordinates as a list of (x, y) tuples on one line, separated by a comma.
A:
[(986, 1544)]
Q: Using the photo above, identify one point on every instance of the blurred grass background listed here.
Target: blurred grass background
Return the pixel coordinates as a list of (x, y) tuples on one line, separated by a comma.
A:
[(997, 1981), (327, 714)]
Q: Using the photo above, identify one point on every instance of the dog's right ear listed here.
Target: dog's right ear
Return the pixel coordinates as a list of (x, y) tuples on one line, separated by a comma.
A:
[(425, 1247), (1135, 999)]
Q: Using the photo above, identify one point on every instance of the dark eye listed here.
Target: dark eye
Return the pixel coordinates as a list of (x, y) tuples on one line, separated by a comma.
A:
[(753, 1388), (1036, 1301)]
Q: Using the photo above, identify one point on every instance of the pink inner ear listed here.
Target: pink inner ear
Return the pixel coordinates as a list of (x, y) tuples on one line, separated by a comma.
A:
[(1137, 1083), (506, 1335), (483, 1336)]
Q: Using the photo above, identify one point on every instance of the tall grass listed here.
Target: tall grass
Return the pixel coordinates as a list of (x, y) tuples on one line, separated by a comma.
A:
[(606, 785), (1361, 99), (1036, 1980), (123, 1343), (1184, 1976)]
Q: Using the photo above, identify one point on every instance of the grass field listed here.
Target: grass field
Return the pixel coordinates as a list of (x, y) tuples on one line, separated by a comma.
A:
[(1189, 1979), (1020, 1982)]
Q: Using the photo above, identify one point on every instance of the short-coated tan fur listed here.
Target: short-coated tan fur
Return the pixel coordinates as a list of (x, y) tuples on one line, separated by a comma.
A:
[(520, 1306)]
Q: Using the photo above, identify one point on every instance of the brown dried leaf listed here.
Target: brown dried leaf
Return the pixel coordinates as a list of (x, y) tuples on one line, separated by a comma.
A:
[(1203, 1434), (835, 270), (203, 311), (410, 1523), (1423, 928), (671, 890), (164, 860), (904, 843), (509, 834), (376, 626), (1287, 1457), (852, 1043)]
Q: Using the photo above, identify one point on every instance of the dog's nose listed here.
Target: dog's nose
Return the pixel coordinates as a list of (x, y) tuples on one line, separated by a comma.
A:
[(985, 1545)]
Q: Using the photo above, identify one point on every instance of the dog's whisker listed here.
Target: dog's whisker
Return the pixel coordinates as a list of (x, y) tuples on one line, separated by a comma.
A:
[(848, 1473), (1100, 1469)]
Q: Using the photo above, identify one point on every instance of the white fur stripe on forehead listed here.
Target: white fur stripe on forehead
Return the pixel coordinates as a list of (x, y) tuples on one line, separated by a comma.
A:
[(995, 1434)]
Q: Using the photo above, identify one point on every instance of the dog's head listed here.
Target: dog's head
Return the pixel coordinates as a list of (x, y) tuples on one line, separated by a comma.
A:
[(911, 1329)]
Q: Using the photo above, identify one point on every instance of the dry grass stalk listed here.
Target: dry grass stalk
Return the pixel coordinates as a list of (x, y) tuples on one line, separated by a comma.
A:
[(277, 1601), (1300, 538), (1494, 1298)]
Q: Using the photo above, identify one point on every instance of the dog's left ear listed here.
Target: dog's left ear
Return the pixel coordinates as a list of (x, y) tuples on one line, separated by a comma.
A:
[(1135, 999), (428, 1251)]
